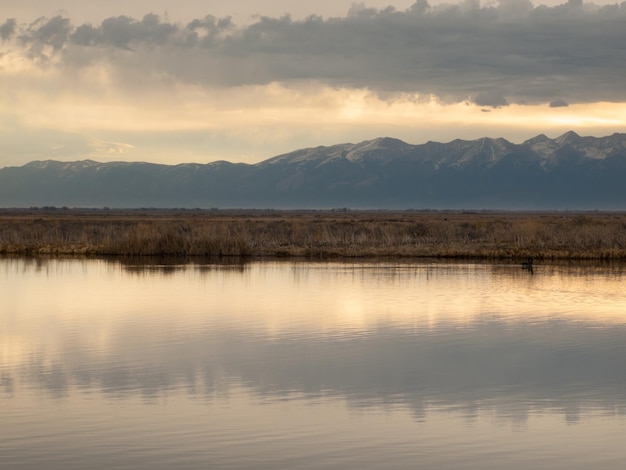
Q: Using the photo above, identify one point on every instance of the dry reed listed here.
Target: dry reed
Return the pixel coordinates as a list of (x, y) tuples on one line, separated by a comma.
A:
[(315, 234)]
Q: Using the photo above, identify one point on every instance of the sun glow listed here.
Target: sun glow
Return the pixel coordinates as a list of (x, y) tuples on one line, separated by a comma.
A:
[(191, 108)]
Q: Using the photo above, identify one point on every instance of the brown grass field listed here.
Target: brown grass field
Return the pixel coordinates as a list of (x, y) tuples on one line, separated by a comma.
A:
[(314, 234)]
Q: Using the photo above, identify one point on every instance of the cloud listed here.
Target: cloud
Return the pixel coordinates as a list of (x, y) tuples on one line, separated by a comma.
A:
[(53, 32), (510, 52), (8, 29), (558, 104), (207, 88), (492, 99)]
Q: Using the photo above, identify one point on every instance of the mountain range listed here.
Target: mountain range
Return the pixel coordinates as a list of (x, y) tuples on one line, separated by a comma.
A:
[(568, 172)]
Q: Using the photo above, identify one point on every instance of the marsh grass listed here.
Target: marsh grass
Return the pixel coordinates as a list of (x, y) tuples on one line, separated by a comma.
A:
[(314, 234)]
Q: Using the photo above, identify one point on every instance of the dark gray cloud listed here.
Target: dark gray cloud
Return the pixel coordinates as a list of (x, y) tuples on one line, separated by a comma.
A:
[(493, 55), (490, 98), (8, 29), (558, 104), (48, 32)]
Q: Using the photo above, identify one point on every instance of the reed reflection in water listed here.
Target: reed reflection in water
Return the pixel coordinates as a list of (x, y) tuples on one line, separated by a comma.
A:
[(311, 365)]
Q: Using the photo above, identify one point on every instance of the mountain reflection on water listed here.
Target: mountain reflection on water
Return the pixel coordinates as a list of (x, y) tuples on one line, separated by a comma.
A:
[(459, 337)]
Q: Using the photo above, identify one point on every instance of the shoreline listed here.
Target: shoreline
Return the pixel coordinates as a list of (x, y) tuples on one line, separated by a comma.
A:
[(489, 235)]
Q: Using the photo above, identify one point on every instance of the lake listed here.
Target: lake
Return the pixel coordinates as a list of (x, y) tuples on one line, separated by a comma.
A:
[(329, 365)]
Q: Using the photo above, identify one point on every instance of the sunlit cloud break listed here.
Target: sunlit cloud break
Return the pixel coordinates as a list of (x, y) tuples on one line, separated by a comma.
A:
[(373, 70)]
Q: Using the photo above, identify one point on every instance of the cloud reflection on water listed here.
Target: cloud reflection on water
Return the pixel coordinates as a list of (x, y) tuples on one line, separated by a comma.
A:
[(464, 338)]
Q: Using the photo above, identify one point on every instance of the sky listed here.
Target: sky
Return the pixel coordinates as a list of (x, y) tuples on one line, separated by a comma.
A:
[(203, 80)]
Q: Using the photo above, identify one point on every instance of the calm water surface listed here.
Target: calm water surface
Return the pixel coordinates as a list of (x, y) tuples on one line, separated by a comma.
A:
[(281, 365)]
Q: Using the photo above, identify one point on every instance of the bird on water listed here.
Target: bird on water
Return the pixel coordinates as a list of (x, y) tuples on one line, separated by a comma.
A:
[(528, 265)]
